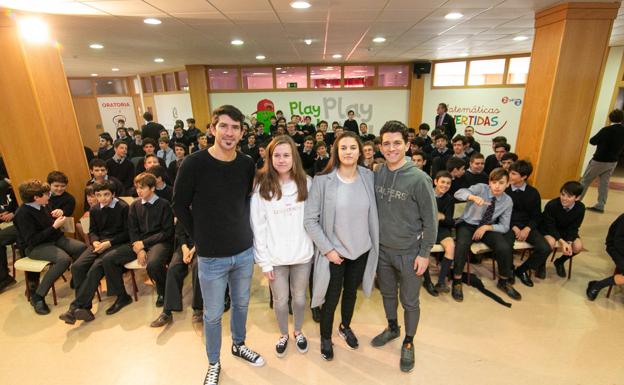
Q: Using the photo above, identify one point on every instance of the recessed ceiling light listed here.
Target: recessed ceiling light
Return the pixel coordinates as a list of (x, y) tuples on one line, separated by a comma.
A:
[(300, 4), (159, 60), (283, 72), (114, 69), (237, 42), (520, 38), (226, 72), (308, 41), (152, 21), (453, 16), (463, 54), (337, 56), (33, 29), (109, 82), (379, 39), (96, 46), (94, 74), (400, 72), (278, 68), (260, 57)]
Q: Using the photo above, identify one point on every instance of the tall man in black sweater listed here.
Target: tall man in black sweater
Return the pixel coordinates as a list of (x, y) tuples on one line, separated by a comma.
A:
[(120, 167), (108, 235), (40, 237), (211, 200), (609, 142), (525, 220)]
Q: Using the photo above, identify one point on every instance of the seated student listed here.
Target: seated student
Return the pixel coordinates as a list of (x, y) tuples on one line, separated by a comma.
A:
[(525, 221), (494, 161), (418, 157), (615, 249), (446, 211), (475, 173), (298, 137), (322, 157), (364, 135), (308, 155), (99, 173), (120, 167), (91, 201), (192, 132), (202, 143), (149, 147), (469, 146), (209, 137), (106, 150), (179, 136), (423, 132), (163, 190), (150, 223), (163, 134), (108, 238), (251, 148), (456, 168), (561, 221), (136, 148), (308, 128), (61, 203), (469, 134), (418, 145), (40, 237), (261, 155), (378, 153), (507, 159), (272, 125), (459, 143), (8, 235), (180, 153), (440, 155), (319, 136), (261, 136), (485, 219), (165, 152), (368, 150)]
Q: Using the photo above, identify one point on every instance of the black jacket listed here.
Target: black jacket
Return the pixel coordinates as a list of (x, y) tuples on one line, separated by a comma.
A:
[(448, 122), (609, 142)]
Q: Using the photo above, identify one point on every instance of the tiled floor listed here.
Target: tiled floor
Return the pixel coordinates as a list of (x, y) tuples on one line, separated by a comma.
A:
[(553, 336)]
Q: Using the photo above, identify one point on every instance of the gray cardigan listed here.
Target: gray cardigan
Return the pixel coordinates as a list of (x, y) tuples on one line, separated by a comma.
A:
[(320, 212)]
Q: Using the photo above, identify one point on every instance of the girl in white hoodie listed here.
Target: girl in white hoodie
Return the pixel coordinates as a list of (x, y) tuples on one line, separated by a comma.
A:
[(282, 248)]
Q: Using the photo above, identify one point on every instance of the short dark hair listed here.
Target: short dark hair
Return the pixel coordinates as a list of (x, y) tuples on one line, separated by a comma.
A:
[(147, 141), (502, 144), (260, 124), (190, 120), (308, 138), (158, 171), (163, 140), (411, 131), (32, 188), (350, 111), (145, 179), (89, 190), (459, 138), (107, 137), (424, 126), (419, 141), (229, 110), (148, 116), (150, 156), (499, 139), (119, 142), (103, 186), (421, 153), (454, 163), (522, 167), (443, 105), (394, 126), (443, 174), (498, 174), (616, 116), (97, 162), (509, 156), (573, 188), (163, 129), (470, 140), (476, 155), (440, 136), (320, 143), (181, 145), (57, 177)]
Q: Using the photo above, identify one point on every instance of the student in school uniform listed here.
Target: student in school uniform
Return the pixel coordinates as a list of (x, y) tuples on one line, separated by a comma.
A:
[(40, 237), (150, 129), (423, 132), (459, 143), (365, 136), (251, 148), (179, 136), (308, 128), (106, 150), (615, 249), (165, 152), (108, 235), (120, 167), (322, 157), (526, 217), (419, 159), (351, 124), (124, 135), (561, 221), (368, 150), (446, 210), (91, 201), (507, 159), (61, 203), (494, 160), (469, 133), (180, 153), (136, 147), (456, 167), (475, 173), (150, 223), (485, 219), (295, 135), (202, 143), (8, 235), (149, 147), (441, 154), (261, 155), (163, 190), (308, 155), (99, 173)]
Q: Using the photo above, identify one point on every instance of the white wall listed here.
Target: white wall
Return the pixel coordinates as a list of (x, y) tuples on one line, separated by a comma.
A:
[(609, 79), (491, 111), (372, 107), (114, 108), (171, 107)]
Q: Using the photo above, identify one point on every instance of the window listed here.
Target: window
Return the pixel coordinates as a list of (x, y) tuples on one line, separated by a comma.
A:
[(223, 78), (257, 78), (110, 87), (169, 82), (449, 74), (182, 81), (325, 77), (137, 84), (484, 72), (518, 70), (147, 84), (291, 77), (359, 76), (393, 76), (158, 83), (81, 87)]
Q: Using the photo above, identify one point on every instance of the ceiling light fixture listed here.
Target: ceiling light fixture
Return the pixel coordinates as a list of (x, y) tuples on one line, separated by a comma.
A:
[(453, 16), (463, 54), (520, 38), (226, 72), (260, 57), (308, 41), (337, 56), (94, 74), (159, 60), (114, 69), (96, 46), (152, 21), (33, 29), (379, 39), (300, 5), (237, 42)]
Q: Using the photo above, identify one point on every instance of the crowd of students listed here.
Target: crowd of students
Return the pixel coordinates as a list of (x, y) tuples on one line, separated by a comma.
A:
[(319, 210)]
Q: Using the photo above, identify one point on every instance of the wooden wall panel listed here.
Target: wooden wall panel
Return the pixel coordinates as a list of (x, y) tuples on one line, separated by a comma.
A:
[(89, 120), (416, 101), (198, 90)]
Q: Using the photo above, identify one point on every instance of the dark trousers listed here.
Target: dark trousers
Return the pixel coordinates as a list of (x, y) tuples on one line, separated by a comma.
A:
[(88, 270), (61, 253), (8, 236), (540, 252), (503, 249), (113, 264), (618, 258), (344, 279), (175, 279), (158, 256)]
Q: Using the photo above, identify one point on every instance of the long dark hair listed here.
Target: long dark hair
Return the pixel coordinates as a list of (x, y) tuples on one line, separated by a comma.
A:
[(268, 178), (334, 160)]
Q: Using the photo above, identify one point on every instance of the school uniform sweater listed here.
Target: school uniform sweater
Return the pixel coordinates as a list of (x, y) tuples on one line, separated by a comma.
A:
[(123, 171), (34, 227), (109, 223), (561, 223), (527, 207), (151, 223), (446, 206), (65, 202)]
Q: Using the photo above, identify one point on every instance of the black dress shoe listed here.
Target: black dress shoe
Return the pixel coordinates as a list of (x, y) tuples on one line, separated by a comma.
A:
[(524, 278), (162, 320), (560, 268), (316, 314), (160, 301), (541, 272), (509, 290), (457, 292), (8, 281), (119, 304), (592, 290), (84, 315), (40, 307), (68, 317), (430, 288), (327, 349)]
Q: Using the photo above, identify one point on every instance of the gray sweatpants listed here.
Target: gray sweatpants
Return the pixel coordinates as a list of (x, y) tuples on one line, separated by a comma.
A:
[(396, 275), (61, 253), (602, 170), (290, 279)]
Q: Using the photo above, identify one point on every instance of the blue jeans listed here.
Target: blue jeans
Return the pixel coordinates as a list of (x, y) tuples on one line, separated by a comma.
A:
[(214, 276)]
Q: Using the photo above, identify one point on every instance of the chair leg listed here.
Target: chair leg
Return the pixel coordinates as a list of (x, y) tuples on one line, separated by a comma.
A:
[(493, 269), (570, 268), (135, 289), (552, 257), (13, 251), (468, 270), (54, 295), (609, 291)]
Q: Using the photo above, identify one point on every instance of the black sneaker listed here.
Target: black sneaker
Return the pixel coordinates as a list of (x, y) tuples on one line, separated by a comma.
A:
[(212, 376), (386, 336), (457, 292), (302, 343), (430, 288), (280, 346), (242, 351), (561, 271), (348, 336), (592, 290), (407, 358), (327, 349), (40, 306), (442, 287)]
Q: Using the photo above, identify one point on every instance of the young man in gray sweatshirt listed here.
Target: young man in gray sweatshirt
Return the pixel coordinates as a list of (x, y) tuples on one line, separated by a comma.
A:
[(407, 230)]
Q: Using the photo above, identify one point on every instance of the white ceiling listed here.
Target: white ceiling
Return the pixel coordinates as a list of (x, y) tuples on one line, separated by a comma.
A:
[(200, 31)]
